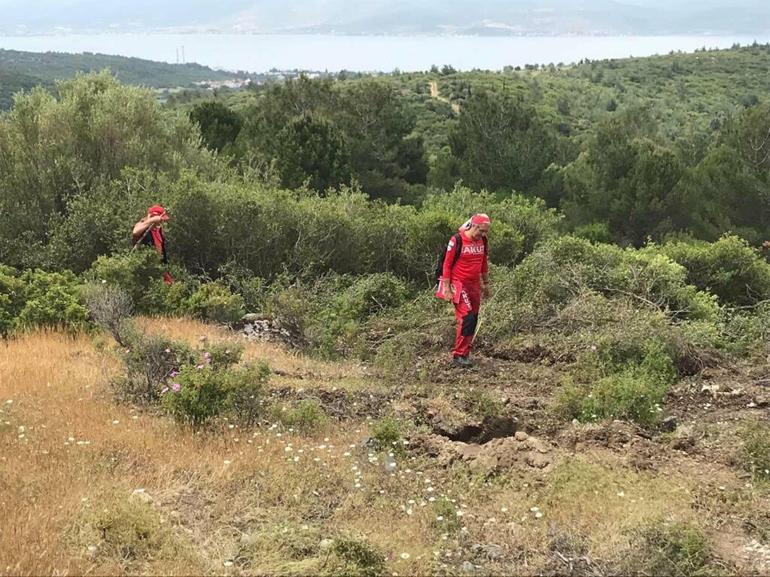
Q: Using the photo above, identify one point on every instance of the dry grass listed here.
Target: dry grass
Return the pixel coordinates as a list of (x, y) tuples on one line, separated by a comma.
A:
[(262, 500)]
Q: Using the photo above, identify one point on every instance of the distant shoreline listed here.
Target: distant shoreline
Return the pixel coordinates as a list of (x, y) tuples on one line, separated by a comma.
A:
[(260, 53)]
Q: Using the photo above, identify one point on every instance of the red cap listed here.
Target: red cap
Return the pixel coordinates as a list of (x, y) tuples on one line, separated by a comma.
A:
[(158, 210), (480, 219)]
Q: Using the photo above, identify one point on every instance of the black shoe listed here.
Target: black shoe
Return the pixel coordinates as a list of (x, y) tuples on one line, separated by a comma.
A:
[(461, 362)]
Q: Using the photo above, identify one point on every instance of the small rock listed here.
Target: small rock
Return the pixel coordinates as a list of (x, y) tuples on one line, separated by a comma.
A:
[(538, 460), (521, 436), (325, 544), (467, 567), (491, 551), (669, 424), (390, 463), (142, 495), (93, 551)]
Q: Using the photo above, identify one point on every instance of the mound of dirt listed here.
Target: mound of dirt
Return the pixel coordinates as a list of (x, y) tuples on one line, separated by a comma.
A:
[(495, 457), (640, 451)]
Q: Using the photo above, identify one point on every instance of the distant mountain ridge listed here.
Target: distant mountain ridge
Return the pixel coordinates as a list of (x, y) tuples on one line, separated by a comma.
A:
[(399, 17)]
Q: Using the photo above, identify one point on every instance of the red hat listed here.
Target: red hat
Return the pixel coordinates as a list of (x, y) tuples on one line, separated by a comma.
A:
[(480, 219), (158, 210)]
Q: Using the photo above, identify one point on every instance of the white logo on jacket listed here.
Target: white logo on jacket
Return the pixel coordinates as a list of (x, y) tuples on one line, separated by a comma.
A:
[(473, 249)]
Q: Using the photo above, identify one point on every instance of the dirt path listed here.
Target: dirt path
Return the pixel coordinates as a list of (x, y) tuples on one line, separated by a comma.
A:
[(435, 94)]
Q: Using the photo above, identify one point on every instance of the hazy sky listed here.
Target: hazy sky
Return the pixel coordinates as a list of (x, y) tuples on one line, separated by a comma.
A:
[(383, 16)]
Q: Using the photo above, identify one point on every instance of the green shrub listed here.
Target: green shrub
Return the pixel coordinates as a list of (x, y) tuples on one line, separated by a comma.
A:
[(397, 338), (668, 549), (150, 361), (755, 437), (135, 272), (52, 300), (246, 392), (214, 302), (195, 395), (13, 292), (201, 392), (445, 518), (252, 289), (306, 416), (604, 389), (728, 268), (223, 355), (748, 331), (359, 559), (127, 531), (291, 309), (594, 232), (563, 269), (386, 434), (162, 299), (345, 304)]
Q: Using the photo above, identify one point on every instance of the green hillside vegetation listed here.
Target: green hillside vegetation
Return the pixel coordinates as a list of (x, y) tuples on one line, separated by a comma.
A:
[(615, 423), (23, 70)]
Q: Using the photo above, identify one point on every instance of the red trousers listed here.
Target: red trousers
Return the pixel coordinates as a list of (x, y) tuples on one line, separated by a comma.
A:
[(467, 315)]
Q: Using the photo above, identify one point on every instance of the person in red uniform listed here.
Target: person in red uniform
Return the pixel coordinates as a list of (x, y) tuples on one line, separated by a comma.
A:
[(149, 232), (468, 273)]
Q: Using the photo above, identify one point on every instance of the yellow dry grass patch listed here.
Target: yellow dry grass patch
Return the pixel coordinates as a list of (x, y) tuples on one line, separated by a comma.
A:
[(67, 447), (296, 370), (262, 500)]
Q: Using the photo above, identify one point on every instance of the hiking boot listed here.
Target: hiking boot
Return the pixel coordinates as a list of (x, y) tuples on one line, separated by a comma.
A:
[(461, 362)]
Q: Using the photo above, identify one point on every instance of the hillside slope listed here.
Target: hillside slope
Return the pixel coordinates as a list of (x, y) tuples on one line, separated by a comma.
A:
[(94, 486), (23, 70)]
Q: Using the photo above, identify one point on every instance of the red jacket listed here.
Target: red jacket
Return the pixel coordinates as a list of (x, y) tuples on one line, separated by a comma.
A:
[(470, 265)]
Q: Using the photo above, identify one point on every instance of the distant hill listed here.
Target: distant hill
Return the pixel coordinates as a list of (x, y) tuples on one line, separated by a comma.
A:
[(23, 70)]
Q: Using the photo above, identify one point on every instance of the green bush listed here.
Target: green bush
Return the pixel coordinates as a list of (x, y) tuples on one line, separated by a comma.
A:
[(445, 518), (386, 434), (668, 549), (306, 416), (195, 395), (246, 392), (602, 388), (127, 531), (214, 302), (150, 362), (135, 272), (252, 289), (748, 331), (359, 559), (162, 299), (755, 438), (345, 304), (201, 392), (728, 268), (594, 232), (52, 300), (12, 298)]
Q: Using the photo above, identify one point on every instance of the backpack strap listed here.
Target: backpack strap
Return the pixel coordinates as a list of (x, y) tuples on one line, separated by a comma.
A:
[(459, 242)]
